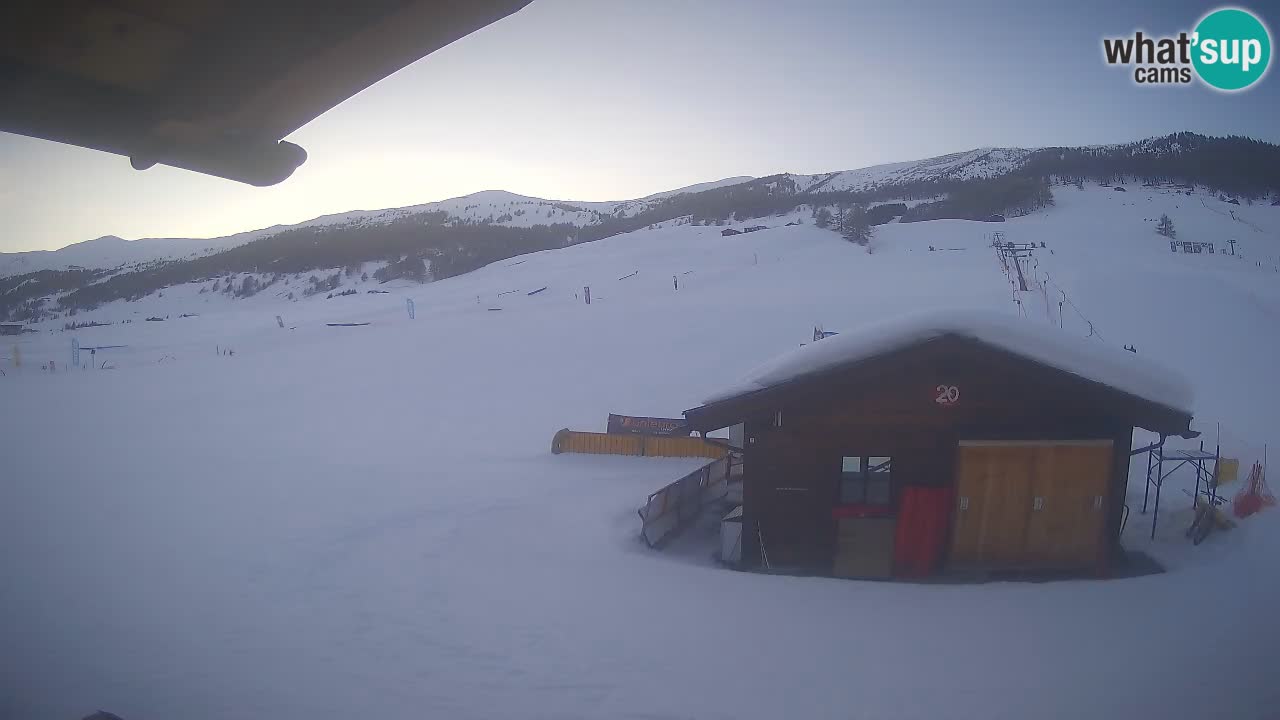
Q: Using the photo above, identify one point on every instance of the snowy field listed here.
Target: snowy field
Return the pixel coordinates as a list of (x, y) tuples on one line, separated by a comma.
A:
[(367, 522)]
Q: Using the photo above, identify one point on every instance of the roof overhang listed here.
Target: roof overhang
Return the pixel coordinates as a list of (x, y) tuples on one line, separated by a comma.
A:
[(209, 85), (734, 409)]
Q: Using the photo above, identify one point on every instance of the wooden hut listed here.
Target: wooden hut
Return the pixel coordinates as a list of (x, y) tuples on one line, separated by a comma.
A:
[(951, 441)]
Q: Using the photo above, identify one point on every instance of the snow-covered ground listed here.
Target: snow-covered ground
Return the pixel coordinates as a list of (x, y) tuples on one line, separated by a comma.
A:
[(343, 522)]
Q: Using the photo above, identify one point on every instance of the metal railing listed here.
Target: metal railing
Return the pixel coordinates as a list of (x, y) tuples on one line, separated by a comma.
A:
[(672, 508)]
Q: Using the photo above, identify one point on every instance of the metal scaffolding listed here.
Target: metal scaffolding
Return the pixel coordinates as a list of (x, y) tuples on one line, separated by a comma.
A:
[(1206, 476)]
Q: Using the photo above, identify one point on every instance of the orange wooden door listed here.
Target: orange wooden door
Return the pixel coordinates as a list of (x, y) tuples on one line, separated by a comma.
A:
[(1066, 527), (993, 495)]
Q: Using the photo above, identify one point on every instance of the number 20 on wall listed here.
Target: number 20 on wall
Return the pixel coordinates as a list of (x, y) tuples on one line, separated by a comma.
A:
[(947, 395)]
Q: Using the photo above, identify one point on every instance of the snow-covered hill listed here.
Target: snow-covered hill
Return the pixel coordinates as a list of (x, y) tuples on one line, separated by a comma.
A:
[(498, 207), (110, 251), (980, 163), (1201, 161), (495, 207), (367, 521)]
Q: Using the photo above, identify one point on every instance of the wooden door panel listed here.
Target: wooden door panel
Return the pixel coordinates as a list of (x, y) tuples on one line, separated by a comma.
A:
[(1007, 499), (1067, 531), (971, 484), (993, 479), (1088, 487), (1003, 484), (1051, 526)]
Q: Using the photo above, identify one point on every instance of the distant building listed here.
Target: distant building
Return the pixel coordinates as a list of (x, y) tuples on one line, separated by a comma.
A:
[(996, 217), (730, 231), (1191, 247), (1119, 189), (10, 328), (754, 228)]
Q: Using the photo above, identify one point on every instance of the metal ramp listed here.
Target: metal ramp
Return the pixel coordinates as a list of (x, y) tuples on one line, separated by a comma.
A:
[(673, 507)]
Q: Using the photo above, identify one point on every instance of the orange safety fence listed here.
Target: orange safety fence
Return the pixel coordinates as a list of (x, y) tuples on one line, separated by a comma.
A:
[(1255, 494)]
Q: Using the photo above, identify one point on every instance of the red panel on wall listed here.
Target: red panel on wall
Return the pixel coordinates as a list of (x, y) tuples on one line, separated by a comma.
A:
[(922, 531)]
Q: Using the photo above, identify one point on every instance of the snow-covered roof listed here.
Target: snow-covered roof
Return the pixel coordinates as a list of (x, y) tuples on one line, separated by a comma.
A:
[(1090, 359)]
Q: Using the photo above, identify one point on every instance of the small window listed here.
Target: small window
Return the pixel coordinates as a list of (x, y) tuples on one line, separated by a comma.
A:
[(866, 480)]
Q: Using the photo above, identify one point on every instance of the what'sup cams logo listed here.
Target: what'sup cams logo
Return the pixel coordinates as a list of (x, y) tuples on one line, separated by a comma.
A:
[(1229, 50)]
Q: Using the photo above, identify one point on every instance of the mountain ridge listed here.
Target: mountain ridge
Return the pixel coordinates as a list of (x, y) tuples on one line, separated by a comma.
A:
[(438, 240), (25, 261), (506, 208)]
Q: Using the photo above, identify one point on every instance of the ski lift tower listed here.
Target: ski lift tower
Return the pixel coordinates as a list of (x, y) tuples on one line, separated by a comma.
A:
[(1011, 251)]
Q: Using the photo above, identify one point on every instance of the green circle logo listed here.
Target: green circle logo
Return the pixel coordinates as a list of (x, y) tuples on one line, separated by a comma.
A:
[(1232, 49)]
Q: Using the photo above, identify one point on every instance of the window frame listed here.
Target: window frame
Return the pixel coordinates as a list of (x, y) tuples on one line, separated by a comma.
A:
[(865, 477)]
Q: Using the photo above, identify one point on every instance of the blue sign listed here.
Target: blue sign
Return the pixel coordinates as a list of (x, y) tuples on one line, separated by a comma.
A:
[(75, 352)]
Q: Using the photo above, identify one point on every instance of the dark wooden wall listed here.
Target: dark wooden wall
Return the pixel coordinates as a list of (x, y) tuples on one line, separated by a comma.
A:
[(1122, 442)]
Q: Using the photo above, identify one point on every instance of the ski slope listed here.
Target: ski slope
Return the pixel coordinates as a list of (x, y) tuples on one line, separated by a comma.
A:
[(343, 522)]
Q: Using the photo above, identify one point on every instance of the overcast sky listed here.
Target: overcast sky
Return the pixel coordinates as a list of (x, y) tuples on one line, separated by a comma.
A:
[(613, 99)]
